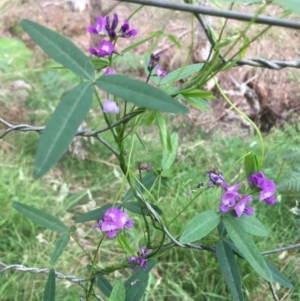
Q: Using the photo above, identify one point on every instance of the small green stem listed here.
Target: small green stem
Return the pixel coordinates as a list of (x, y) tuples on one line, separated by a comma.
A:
[(246, 117)]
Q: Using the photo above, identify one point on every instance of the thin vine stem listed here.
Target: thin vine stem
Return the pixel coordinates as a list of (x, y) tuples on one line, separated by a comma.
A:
[(246, 117)]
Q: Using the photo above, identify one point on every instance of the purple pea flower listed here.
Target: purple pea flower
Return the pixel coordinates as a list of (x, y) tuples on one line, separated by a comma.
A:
[(267, 187), (99, 27), (230, 197), (114, 219), (215, 178), (160, 72), (109, 71), (126, 32), (110, 107), (104, 48), (154, 59), (139, 260)]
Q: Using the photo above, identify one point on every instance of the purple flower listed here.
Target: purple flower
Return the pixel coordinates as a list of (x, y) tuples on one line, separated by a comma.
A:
[(109, 71), (111, 28), (114, 219), (126, 32), (110, 107), (241, 206), (154, 59), (215, 177), (139, 260), (99, 27), (160, 72), (230, 197), (104, 48), (267, 187), (257, 179)]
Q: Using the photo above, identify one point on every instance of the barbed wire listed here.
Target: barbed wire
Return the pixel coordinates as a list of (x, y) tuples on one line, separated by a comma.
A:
[(74, 279), (229, 14), (22, 268), (40, 129)]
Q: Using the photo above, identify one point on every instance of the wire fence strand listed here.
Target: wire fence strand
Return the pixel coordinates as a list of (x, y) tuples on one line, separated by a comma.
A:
[(229, 14)]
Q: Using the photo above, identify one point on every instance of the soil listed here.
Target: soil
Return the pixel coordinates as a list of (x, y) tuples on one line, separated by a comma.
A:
[(268, 97)]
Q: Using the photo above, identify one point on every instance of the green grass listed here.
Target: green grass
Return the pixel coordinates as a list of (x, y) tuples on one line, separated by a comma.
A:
[(76, 186)]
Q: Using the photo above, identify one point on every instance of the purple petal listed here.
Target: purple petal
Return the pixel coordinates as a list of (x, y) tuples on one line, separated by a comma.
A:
[(105, 48), (224, 208), (241, 205), (115, 22), (268, 190), (100, 26), (109, 71), (248, 210), (110, 107), (92, 30), (93, 51), (270, 201), (160, 72), (144, 251), (258, 179), (109, 226), (131, 33), (112, 214), (111, 234), (129, 223)]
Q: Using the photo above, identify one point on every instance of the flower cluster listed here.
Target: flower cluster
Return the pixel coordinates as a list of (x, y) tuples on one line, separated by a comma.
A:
[(139, 260), (267, 187), (113, 219), (154, 59), (233, 200), (104, 27)]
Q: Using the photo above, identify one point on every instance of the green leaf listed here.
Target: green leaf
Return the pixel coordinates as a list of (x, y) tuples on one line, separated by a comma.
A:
[(250, 164), (135, 207), (181, 73), (99, 63), (60, 246), (136, 284), (73, 229), (150, 118), (200, 226), (118, 293), (278, 276), (195, 92), (226, 42), (174, 40), (49, 292), (247, 247), (140, 93), (196, 102), (40, 217), (151, 36), (292, 5), (104, 285), (123, 243), (147, 181), (169, 157), (244, 48), (60, 49), (230, 270), (62, 127), (252, 225), (95, 214), (163, 131)]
